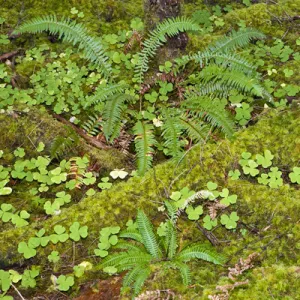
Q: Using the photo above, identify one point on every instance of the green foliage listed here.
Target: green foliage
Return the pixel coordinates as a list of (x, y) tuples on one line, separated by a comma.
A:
[(64, 283), (71, 32), (146, 250), (295, 175), (78, 232)]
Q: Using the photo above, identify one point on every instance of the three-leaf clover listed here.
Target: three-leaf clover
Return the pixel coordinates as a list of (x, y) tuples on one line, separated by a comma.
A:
[(251, 168), (5, 281), (194, 213), (28, 278), (77, 232), (234, 175), (26, 250), (265, 160), (105, 185), (227, 200), (208, 223), (19, 152), (295, 175), (64, 282), (245, 158), (230, 222), (60, 236), (54, 257)]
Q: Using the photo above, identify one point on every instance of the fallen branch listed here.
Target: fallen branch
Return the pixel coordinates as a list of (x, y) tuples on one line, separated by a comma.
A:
[(8, 55), (90, 140)]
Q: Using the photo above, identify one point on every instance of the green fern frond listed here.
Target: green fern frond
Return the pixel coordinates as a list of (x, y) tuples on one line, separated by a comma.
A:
[(140, 280), (171, 239), (236, 39), (172, 211), (200, 251), (130, 234), (231, 78), (171, 133), (63, 144), (195, 130), (105, 91), (148, 236), (92, 125), (214, 89), (129, 246), (112, 116), (126, 260), (133, 274), (210, 111), (144, 142), (71, 32), (184, 271), (168, 28)]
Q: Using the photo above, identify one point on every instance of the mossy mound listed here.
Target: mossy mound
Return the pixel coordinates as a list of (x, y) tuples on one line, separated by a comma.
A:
[(269, 215)]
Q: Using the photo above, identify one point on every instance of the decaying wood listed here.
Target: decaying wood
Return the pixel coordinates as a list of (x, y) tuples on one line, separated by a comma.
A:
[(8, 55)]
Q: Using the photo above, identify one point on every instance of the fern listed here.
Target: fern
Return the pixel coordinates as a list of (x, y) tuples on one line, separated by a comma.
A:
[(140, 280), (236, 39), (104, 92), (71, 32), (112, 116), (171, 133), (195, 130), (63, 144), (210, 111), (133, 274), (171, 239), (184, 271), (148, 236), (168, 28), (91, 126), (144, 142), (130, 234), (200, 251)]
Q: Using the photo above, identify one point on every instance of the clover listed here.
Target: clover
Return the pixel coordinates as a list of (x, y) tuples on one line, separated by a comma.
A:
[(5, 212), (245, 158), (209, 223), (263, 179), (3, 173), (60, 235), (20, 220), (28, 277), (265, 160), (54, 257), (230, 222), (110, 270), (64, 282), (78, 232), (62, 198), (89, 178), (250, 168), (227, 200), (105, 185), (52, 208), (90, 192), (57, 176), (5, 281), (234, 175), (295, 175), (162, 229), (19, 152), (194, 213), (40, 147), (26, 250), (151, 97), (39, 239), (212, 186)]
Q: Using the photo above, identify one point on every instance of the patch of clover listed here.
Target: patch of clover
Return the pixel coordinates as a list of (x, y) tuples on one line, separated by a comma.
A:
[(19, 219), (64, 283), (295, 175), (108, 237), (201, 204), (230, 222)]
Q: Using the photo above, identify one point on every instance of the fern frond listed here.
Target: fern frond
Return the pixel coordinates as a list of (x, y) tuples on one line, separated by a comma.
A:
[(172, 211), (200, 251), (104, 92), (171, 133), (112, 116), (128, 246), (130, 234), (144, 142), (63, 144), (148, 236), (195, 130), (214, 89), (184, 271), (236, 39), (71, 32), (168, 28), (171, 239), (210, 111), (91, 126), (133, 274), (126, 260), (140, 280)]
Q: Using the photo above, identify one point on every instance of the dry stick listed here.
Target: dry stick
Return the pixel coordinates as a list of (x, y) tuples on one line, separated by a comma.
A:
[(92, 141), (18, 292), (8, 55)]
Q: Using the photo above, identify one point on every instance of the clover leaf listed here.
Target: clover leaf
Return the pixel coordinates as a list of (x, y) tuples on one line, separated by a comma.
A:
[(110, 270), (295, 175), (227, 199), (250, 168), (209, 223), (40, 147), (162, 229), (78, 232), (60, 236), (54, 257), (52, 208), (194, 213), (230, 222), (19, 152), (245, 158), (5, 281), (62, 198), (265, 160), (263, 179), (235, 175), (5, 212), (78, 271), (101, 253), (105, 185), (64, 282), (26, 250), (212, 186), (28, 278)]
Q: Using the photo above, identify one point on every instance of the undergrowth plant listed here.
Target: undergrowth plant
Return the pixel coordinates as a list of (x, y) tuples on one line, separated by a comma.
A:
[(180, 105)]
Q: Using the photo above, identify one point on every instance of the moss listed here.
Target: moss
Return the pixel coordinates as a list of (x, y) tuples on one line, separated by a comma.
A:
[(270, 215)]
